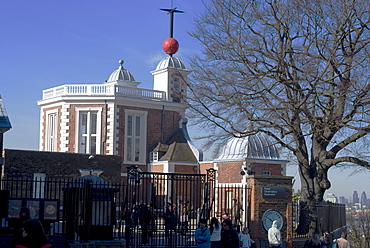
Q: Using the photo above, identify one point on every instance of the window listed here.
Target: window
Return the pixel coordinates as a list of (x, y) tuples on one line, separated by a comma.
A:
[(51, 131), (266, 173), (135, 136), (154, 156), (39, 185), (89, 131)]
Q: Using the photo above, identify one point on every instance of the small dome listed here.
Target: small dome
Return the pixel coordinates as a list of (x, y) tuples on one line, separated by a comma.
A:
[(256, 146), (121, 74), (96, 181), (171, 62)]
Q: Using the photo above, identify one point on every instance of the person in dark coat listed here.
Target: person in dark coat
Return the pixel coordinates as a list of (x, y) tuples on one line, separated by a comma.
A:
[(33, 235), (144, 217), (24, 215), (313, 242), (229, 236)]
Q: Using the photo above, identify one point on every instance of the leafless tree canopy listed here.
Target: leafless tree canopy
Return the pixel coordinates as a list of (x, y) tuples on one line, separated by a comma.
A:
[(298, 69)]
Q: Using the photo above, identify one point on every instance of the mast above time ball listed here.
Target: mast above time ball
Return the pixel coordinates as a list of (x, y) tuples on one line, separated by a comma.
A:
[(171, 46)]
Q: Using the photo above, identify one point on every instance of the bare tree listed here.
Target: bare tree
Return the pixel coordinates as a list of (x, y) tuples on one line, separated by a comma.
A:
[(297, 69), (358, 220)]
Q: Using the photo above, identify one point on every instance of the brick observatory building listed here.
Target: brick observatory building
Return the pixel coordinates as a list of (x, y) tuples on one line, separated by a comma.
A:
[(147, 127)]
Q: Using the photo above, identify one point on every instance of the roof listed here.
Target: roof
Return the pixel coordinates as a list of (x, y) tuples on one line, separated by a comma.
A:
[(122, 76), (178, 148), (257, 146), (171, 62)]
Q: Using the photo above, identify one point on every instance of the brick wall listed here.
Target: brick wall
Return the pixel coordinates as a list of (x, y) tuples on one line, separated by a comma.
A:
[(259, 205), (60, 165)]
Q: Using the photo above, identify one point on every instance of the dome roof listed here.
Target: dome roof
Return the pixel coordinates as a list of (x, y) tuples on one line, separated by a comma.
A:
[(171, 62), (121, 75), (96, 181), (256, 146)]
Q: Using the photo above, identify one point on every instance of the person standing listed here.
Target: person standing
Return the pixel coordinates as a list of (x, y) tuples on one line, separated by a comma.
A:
[(326, 240), (215, 229), (33, 235), (229, 236), (202, 235), (245, 238), (313, 242), (144, 218), (342, 242), (236, 214), (274, 236), (184, 220), (24, 215)]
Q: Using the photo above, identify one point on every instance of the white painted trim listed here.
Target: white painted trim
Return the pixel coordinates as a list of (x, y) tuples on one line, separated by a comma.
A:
[(143, 135), (47, 130), (64, 135), (99, 127)]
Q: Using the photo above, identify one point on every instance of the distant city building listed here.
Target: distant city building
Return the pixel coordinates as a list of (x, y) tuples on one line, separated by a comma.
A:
[(331, 198), (363, 198), (355, 197), (342, 200)]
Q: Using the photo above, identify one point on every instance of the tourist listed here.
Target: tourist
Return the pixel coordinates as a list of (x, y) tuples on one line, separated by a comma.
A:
[(24, 215), (313, 242), (326, 241), (245, 238), (225, 216), (215, 229), (229, 236), (202, 235), (274, 236), (184, 219), (342, 242), (33, 235), (236, 214)]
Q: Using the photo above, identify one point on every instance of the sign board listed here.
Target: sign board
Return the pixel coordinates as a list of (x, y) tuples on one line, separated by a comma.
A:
[(273, 192)]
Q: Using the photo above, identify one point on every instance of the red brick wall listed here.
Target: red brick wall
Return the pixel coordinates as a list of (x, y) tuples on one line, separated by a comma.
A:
[(275, 169), (154, 118), (186, 168), (229, 172), (258, 205)]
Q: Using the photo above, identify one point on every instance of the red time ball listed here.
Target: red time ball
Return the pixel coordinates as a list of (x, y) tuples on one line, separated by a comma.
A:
[(170, 46)]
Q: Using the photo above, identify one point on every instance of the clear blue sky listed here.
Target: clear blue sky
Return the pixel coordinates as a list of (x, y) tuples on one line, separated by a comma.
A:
[(47, 43)]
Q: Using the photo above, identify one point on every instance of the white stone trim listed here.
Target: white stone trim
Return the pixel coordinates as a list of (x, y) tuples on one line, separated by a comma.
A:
[(64, 142), (110, 142)]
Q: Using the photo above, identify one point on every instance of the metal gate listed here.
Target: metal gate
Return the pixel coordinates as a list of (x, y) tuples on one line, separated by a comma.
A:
[(163, 209)]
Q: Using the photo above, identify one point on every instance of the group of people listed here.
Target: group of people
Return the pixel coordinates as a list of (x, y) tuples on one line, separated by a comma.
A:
[(29, 233), (221, 235), (325, 241)]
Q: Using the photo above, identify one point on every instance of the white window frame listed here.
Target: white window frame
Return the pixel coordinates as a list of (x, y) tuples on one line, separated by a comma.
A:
[(79, 111), (142, 138), (266, 173), (51, 131)]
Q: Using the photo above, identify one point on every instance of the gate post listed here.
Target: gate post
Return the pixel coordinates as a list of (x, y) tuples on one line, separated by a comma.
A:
[(211, 177)]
